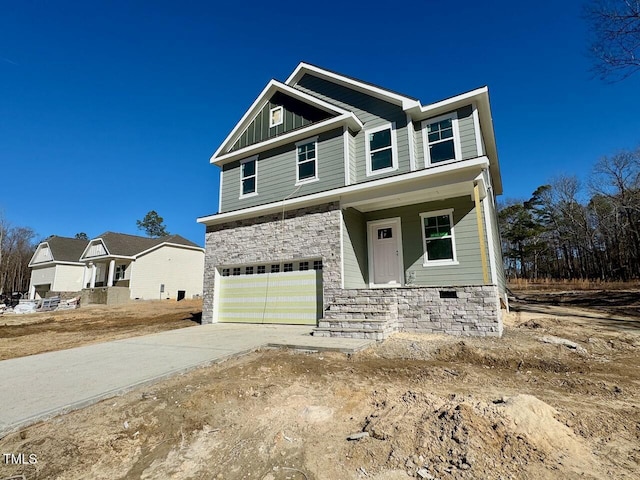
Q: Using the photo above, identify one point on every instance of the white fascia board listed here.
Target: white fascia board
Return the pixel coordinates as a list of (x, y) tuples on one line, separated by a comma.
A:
[(377, 92), (167, 244), (445, 106), (85, 261), (86, 249), (42, 244), (347, 118), (331, 195), (268, 91)]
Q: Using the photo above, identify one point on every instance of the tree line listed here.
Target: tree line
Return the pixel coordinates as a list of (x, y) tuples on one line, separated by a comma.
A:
[(568, 230)]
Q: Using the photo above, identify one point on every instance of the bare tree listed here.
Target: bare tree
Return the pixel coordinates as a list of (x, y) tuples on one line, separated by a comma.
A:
[(615, 28)]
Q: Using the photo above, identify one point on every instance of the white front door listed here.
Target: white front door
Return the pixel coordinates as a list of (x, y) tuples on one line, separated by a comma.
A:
[(385, 252)]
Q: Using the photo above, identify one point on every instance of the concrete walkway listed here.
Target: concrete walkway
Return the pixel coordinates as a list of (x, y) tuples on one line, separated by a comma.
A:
[(38, 387)]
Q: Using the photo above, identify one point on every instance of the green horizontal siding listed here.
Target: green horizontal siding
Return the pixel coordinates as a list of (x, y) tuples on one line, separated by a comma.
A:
[(467, 131), (468, 271), (355, 249), (276, 179), (286, 297), (372, 112)]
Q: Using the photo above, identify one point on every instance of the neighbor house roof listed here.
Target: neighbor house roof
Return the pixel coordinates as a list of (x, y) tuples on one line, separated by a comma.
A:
[(130, 245), (64, 249)]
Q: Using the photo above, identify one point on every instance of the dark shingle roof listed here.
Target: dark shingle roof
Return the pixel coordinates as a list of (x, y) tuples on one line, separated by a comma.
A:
[(130, 245), (65, 249)]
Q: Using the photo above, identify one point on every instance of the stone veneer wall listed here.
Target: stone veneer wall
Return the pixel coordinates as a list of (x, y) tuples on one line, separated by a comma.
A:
[(474, 312), (312, 232)]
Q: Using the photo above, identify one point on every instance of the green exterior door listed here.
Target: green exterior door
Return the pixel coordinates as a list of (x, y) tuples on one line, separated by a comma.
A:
[(286, 297)]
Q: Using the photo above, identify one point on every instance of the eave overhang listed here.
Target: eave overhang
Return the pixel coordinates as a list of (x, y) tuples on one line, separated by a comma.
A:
[(272, 87), (464, 171)]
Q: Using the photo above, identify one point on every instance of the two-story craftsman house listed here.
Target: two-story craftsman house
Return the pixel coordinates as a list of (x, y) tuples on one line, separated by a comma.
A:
[(359, 210)]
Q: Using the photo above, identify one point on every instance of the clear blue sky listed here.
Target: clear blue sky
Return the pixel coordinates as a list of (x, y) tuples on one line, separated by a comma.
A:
[(111, 109)]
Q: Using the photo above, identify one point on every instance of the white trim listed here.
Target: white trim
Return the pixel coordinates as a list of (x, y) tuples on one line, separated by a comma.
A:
[(260, 101), (425, 261), (335, 194), (457, 147), (216, 296), (271, 112), (489, 228), (358, 85), (347, 158), (370, 227), (452, 103), (316, 177), (341, 248), (394, 149), (220, 192), (255, 177), (86, 249), (412, 144), (476, 127), (348, 118)]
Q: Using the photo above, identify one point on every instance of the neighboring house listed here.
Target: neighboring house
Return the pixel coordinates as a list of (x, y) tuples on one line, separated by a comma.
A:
[(56, 267), (119, 267), (359, 210)]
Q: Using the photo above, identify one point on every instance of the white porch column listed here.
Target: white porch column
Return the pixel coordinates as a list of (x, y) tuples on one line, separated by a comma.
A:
[(112, 269), (93, 275), (32, 292)]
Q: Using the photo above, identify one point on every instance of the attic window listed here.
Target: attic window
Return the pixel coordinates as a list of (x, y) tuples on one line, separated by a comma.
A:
[(276, 116)]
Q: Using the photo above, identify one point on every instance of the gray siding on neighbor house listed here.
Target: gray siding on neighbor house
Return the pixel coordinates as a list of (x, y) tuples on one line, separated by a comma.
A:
[(468, 271), (372, 112), (355, 256), (497, 245), (467, 130), (297, 114), (276, 174)]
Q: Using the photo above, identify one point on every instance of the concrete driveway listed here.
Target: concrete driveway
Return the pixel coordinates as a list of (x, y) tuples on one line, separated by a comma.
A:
[(38, 387)]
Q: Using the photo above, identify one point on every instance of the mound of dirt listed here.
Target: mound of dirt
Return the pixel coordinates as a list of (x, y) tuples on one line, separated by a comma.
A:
[(469, 438)]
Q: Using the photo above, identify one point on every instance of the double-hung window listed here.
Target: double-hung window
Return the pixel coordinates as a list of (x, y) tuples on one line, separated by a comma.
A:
[(441, 139), (248, 176), (438, 239), (307, 160), (381, 150)]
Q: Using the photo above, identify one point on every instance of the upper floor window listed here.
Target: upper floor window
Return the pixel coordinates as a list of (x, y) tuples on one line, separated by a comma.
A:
[(381, 150), (306, 164), (276, 116), (248, 176), (441, 139), (438, 238)]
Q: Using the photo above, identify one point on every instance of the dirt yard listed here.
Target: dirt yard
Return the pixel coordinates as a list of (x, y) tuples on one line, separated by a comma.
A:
[(29, 334), (425, 406)]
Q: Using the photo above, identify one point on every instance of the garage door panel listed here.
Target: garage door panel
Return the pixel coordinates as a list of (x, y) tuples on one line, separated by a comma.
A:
[(285, 297)]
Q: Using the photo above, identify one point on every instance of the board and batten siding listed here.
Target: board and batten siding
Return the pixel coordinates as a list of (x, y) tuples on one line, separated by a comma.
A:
[(296, 114), (355, 249), (467, 131), (372, 112), (468, 271), (176, 267), (276, 177)]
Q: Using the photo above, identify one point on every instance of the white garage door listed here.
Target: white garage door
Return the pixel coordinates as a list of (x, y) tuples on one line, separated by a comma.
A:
[(292, 297)]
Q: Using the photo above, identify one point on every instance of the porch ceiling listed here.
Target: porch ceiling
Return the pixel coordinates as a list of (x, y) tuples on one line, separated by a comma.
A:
[(455, 184)]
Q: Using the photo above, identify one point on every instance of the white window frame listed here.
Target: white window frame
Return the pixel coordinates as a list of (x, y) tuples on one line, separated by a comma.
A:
[(425, 260), (394, 149), (271, 112), (457, 147), (315, 178), (255, 175)]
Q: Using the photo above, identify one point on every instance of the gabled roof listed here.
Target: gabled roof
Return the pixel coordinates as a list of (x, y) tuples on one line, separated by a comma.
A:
[(338, 115), (125, 245), (63, 249), (390, 96)]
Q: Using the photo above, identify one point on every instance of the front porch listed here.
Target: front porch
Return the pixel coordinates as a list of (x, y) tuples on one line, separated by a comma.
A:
[(106, 281)]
